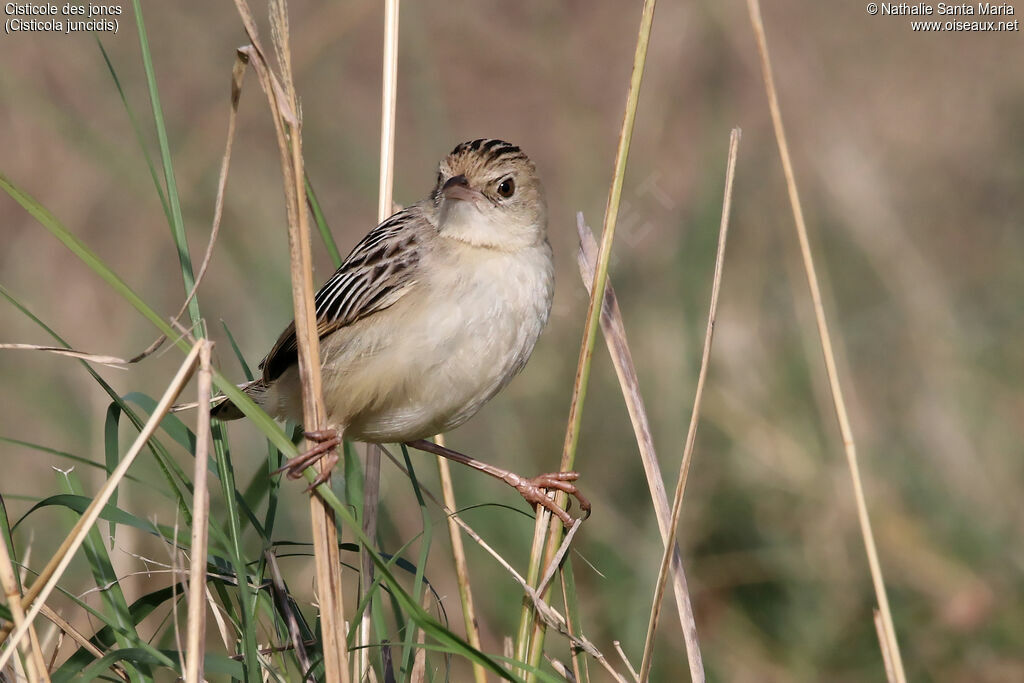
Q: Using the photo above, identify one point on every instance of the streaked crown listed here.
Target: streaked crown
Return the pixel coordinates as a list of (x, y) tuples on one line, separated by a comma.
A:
[(505, 199)]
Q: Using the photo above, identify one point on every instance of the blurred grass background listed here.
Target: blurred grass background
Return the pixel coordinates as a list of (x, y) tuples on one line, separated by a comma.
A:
[(909, 152)]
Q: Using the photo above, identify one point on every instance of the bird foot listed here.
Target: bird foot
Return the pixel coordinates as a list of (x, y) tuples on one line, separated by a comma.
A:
[(534, 491), (327, 441)]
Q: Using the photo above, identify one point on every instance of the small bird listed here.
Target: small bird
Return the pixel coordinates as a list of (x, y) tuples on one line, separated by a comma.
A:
[(429, 317)]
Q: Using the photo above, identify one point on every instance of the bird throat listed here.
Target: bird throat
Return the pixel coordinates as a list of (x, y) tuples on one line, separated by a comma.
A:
[(467, 221)]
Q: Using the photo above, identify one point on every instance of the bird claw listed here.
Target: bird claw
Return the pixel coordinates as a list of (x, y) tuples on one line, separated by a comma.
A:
[(534, 491), (327, 440)]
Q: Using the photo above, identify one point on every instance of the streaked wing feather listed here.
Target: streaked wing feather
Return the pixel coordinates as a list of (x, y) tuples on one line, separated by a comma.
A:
[(379, 271)]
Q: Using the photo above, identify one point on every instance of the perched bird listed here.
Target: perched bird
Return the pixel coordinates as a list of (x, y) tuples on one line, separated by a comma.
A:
[(429, 317)]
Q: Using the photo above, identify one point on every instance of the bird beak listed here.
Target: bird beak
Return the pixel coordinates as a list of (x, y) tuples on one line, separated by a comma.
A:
[(457, 187)]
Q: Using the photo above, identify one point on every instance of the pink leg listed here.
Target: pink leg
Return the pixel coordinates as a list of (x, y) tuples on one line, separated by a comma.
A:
[(533, 490), (327, 441)]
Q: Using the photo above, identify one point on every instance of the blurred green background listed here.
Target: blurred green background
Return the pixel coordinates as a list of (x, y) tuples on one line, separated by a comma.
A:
[(909, 152)]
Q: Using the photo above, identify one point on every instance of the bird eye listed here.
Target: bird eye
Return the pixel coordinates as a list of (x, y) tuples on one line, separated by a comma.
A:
[(507, 188)]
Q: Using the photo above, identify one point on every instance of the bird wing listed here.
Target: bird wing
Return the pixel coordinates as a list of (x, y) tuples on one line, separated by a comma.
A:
[(380, 270)]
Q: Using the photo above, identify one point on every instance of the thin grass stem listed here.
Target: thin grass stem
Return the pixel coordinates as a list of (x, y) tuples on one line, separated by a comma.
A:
[(35, 666), (459, 558), (691, 432), (825, 336), (177, 221), (195, 643), (389, 96)]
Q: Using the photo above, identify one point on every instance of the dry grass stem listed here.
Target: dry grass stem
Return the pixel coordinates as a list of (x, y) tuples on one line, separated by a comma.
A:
[(371, 486), (109, 361), (883, 643), (459, 558), (371, 507), (35, 666), (222, 627), (51, 574), (389, 98), (622, 359), (287, 125), (691, 434), (79, 638), (174, 554), (561, 669), (195, 644), (838, 401), (625, 659), (531, 641), (556, 562)]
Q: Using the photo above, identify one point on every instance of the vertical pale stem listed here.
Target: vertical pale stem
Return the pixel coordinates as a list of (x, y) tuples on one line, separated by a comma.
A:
[(35, 667), (838, 402), (196, 637), (691, 432), (459, 557), (389, 96)]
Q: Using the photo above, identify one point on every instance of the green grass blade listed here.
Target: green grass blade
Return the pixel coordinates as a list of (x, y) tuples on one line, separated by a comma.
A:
[(112, 454), (87, 256), (134, 655), (257, 416), (5, 537), (246, 596), (78, 504), (138, 131), (321, 224), (408, 646), (572, 614), (177, 222), (105, 637)]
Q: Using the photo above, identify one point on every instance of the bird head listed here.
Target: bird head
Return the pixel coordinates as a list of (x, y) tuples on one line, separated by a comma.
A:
[(488, 194)]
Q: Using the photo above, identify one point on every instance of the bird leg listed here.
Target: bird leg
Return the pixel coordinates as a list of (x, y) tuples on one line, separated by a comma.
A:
[(327, 441), (532, 490)]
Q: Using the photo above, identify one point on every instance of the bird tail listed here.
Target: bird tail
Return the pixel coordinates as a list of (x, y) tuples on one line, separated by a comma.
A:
[(221, 406)]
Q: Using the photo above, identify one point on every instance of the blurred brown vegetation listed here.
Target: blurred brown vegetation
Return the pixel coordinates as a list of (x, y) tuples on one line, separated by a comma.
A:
[(909, 152)]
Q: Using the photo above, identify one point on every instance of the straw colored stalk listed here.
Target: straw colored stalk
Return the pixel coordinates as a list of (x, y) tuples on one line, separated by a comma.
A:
[(35, 666), (890, 647), (371, 487), (459, 558), (287, 126), (195, 642)]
